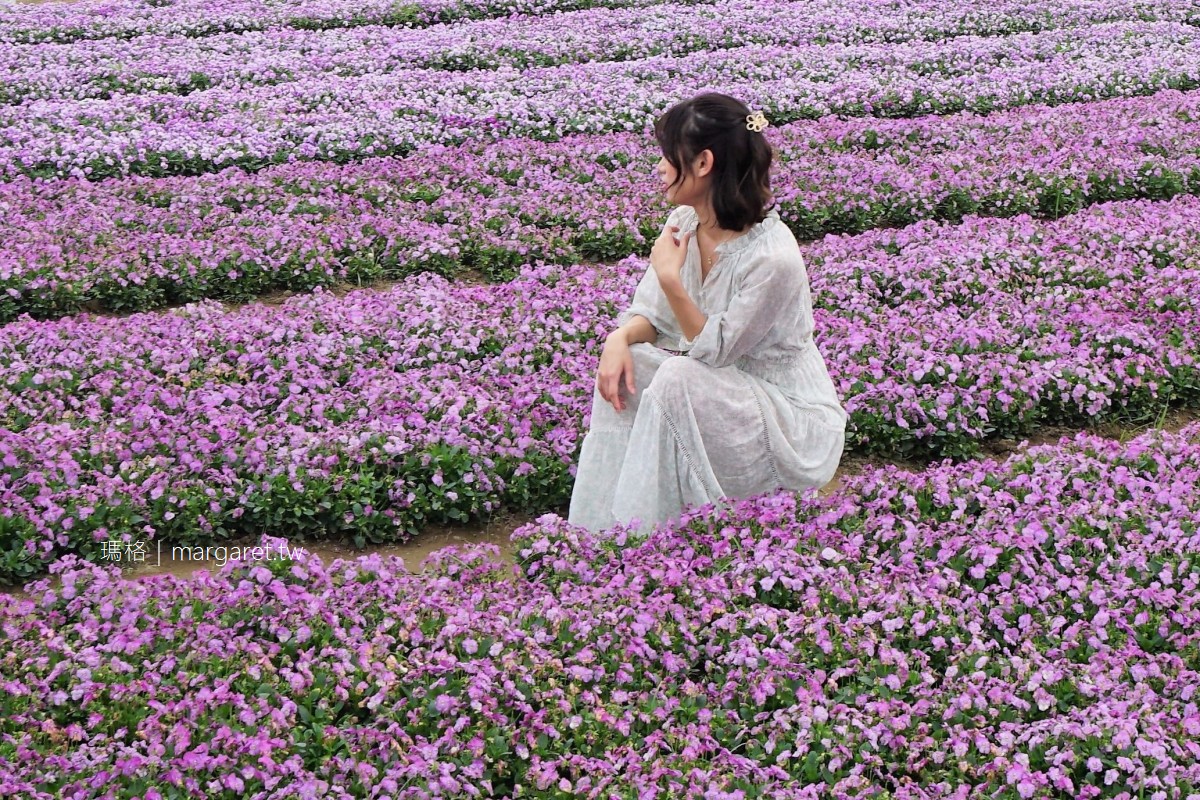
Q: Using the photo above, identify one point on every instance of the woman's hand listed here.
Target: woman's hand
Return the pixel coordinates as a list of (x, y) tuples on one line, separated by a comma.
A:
[(667, 256), (616, 365)]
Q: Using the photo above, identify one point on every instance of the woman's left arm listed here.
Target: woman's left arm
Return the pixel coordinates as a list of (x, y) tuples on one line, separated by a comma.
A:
[(769, 288)]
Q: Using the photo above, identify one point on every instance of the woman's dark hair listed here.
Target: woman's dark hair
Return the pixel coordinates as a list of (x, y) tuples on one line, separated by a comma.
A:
[(741, 180)]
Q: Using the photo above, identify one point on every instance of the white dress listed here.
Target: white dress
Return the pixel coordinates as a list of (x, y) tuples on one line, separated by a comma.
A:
[(748, 407)]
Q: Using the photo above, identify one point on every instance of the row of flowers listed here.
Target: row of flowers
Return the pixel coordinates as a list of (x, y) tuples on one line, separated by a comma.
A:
[(941, 335), (128, 19), (1013, 630), (139, 243), (374, 414), (182, 63), (334, 118)]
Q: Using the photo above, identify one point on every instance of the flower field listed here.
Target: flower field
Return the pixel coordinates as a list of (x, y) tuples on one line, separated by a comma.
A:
[(999, 210), (1002, 630)]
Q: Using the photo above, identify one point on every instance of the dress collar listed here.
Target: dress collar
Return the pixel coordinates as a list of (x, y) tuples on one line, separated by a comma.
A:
[(738, 242)]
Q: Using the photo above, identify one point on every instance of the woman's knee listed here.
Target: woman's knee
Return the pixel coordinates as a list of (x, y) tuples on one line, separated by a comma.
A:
[(675, 377)]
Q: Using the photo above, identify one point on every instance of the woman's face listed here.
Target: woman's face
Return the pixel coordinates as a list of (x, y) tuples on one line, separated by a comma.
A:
[(693, 187)]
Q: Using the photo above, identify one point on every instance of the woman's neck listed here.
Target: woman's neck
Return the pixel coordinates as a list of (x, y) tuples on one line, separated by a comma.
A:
[(707, 222)]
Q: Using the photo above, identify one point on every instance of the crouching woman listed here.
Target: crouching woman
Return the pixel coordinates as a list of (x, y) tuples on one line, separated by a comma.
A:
[(711, 388)]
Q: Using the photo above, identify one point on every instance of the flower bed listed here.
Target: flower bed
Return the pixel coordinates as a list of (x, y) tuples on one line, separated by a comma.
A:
[(127, 19), (432, 402), (184, 63), (1002, 630), (369, 416), (334, 118), (940, 335), (139, 243)]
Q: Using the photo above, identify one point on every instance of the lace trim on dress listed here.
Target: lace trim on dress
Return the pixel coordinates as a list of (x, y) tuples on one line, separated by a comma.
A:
[(689, 220), (691, 462), (766, 434)]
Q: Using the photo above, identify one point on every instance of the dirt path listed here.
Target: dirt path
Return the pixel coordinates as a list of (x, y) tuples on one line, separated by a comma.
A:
[(496, 531), (1173, 421)]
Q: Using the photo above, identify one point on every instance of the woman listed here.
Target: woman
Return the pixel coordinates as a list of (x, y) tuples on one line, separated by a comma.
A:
[(711, 387)]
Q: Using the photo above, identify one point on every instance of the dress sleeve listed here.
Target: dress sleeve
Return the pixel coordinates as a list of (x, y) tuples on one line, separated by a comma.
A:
[(770, 287), (649, 300)]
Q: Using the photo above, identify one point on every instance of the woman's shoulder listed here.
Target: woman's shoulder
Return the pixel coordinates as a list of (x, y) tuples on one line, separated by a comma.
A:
[(681, 214), (777, 241), (776, 251)]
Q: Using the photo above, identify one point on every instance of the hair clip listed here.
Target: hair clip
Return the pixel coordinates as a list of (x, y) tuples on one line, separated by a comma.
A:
[(756, 122)]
